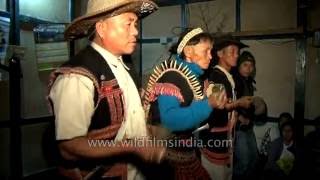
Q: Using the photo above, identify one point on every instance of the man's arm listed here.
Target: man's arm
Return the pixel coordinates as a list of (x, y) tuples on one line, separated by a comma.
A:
[(177, 118), (85, 148), (72, 97), (244, 102)]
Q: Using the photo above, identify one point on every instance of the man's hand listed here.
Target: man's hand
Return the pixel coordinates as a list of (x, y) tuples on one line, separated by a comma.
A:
[(151, 152), (218, 101), (80, 148), (243, 120), (244, 102)]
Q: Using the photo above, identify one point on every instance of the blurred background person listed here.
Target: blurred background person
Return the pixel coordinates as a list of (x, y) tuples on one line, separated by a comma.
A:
[(282, 157)]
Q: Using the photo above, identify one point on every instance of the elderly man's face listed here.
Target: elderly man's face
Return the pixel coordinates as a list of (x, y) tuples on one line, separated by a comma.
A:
[(201, 53), (119, 33), (229, 55)]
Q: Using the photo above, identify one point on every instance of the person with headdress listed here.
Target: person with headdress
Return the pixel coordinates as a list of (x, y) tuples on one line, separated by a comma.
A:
[(217, 158), (94, 98), (175, 101)]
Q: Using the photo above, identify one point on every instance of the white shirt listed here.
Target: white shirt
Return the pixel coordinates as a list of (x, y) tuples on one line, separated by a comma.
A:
[(260, 131), (286, 154), (72, 97), (230, 79)]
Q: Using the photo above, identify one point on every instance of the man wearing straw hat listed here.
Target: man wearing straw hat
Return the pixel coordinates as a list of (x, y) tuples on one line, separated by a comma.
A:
[(94, 98)]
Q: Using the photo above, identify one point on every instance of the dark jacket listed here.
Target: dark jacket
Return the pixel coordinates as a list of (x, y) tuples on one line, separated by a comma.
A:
[(244, 87), (218, 119)]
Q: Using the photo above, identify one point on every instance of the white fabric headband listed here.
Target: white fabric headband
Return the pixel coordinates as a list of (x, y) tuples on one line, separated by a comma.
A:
[(187, 38)]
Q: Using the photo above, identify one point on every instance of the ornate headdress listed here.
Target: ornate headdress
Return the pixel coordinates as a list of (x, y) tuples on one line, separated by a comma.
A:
[(187, 38)]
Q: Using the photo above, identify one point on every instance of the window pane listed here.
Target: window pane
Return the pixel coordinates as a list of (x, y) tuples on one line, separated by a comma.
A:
[(4, 75), (50, 10), (3, 5), (33, 159)]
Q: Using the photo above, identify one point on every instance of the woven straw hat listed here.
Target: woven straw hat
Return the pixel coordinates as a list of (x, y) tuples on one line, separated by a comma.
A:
[(97, 9)]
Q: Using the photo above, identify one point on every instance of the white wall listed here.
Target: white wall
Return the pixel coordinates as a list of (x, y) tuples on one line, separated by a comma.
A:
[(268, 14), (165, 22), (153, 54), (213, 16), (162, 23), (275, 73)]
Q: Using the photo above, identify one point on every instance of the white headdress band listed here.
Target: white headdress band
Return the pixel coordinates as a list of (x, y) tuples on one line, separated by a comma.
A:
[(187, 38)]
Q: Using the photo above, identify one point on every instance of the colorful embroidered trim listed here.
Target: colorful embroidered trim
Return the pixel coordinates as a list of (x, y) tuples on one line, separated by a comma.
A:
[(165, 89), (68, 70), (108, 89), (216, 158), (192, 170), (174, 66), (111, 91), (105, 133)]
